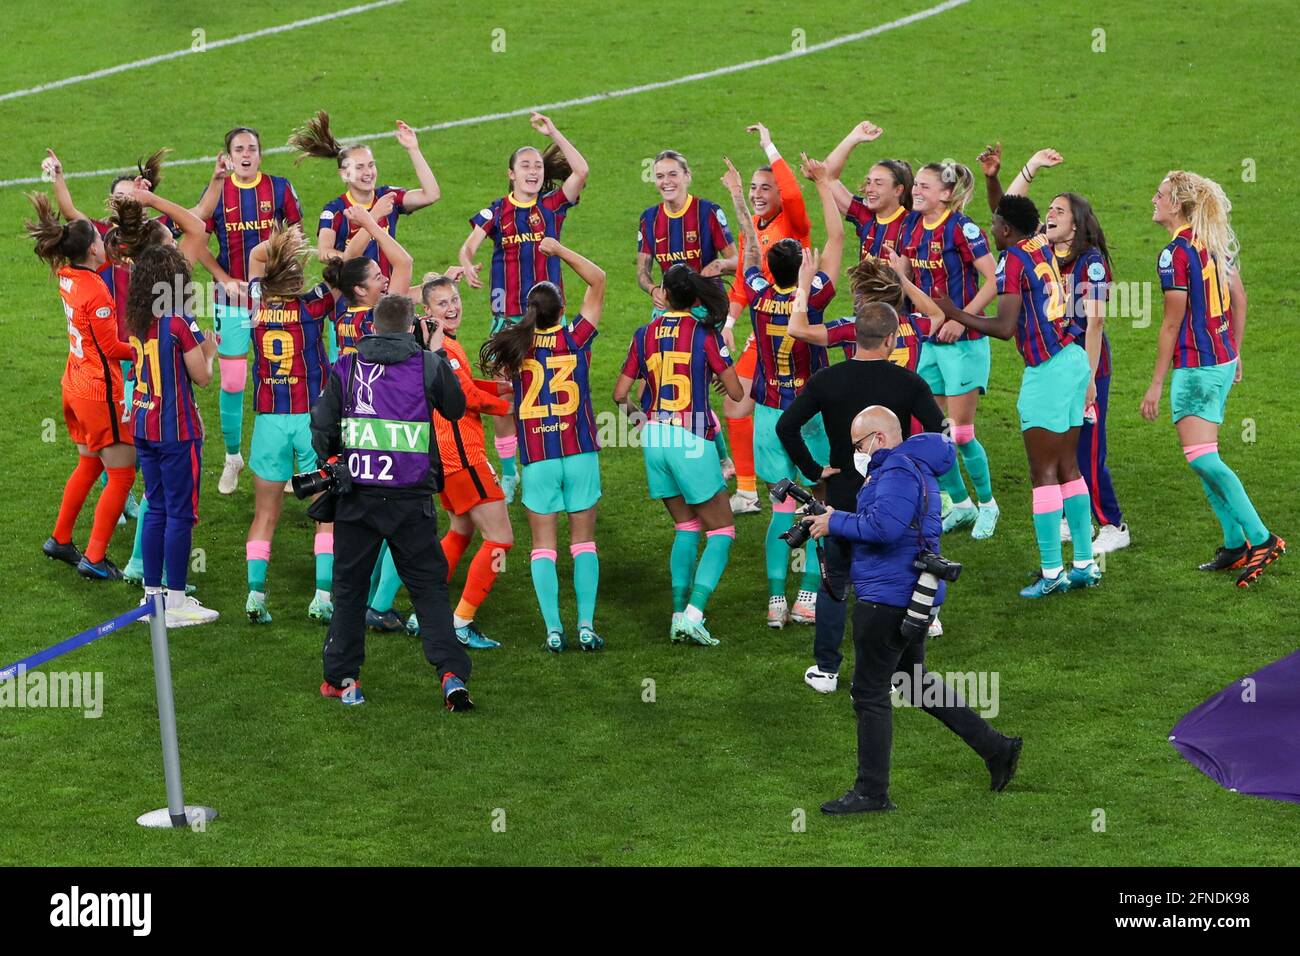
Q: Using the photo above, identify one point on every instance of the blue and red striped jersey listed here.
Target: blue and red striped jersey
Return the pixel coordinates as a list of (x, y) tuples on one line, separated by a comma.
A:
[(331, 217), (783, 363), (1028, 269), (515, 230), (289, 366), (163, 404), (875, 235), (1205, 335), (677, 358), (553, 395), (351, 322), (912, 328), (694, 237), (943, 255), (1088, 279), (246, 213)]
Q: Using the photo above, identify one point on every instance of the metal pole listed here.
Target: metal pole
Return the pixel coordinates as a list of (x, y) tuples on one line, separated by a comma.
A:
[(162, 676)]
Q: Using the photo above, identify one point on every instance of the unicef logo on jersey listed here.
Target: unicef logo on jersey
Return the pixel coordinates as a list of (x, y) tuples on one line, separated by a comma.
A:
[(1166, 259), (1096, 272), (970, 231)]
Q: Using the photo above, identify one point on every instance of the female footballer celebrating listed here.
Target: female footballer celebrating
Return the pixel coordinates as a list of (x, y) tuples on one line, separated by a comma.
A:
[(361, 282), (534, 208), (356, 165), (548, 363), (881, 212), (677, 355), (1204, 322), (171, 356), (948, 253), (241, 205), (92, 388), (289, 370)]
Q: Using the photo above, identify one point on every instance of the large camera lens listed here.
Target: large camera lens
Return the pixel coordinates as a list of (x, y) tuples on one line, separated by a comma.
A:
[(310, 483)]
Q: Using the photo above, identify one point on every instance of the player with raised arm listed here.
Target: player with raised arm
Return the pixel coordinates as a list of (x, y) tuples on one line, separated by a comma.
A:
[(1031, 307), (240, 206), (677, 355), (783, 364), (289, 371), (779, 213), (1201, 336), (360, 281), (948, 254), (357, 169), (544, 186), (94, 405), (548, 362), (881, 211)]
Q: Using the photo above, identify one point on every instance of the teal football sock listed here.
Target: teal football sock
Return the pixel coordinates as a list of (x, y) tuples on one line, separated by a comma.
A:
[(586, 581), (976, 461), (385, 589), (681, 565), (231, 408), (1078, 514), (1215, 473), (546, 584), (717, 548), (777, 552)]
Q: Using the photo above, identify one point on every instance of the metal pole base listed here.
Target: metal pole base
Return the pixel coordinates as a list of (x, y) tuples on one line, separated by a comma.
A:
[(196, 818)]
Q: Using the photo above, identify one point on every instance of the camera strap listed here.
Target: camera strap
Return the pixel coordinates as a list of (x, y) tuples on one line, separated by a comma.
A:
[(923, 506)]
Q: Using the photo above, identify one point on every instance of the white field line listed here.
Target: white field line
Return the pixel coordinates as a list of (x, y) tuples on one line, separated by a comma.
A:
[(563, 104), (188, 51)]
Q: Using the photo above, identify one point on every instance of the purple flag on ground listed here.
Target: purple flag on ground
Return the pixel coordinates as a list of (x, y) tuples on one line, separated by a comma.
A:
[(1247, 736)]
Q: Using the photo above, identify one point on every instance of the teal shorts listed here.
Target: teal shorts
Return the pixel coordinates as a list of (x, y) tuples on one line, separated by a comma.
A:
[(570, 483), (1052, 393), (277, 439), (234, 328), (1202, 392), (955, 368), (771, 463), (680, 462)]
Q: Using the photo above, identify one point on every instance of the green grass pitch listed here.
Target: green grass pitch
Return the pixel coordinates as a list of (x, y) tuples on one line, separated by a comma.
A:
[(715, 770)]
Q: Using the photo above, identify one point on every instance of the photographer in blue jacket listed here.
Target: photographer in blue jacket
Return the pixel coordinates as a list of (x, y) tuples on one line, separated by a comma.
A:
[(900, 580)]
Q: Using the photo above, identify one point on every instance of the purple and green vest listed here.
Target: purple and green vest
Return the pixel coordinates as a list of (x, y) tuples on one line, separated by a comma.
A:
[(386, 421)]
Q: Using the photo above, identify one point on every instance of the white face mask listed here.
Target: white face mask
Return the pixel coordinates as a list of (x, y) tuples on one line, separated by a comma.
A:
[(862, 460)]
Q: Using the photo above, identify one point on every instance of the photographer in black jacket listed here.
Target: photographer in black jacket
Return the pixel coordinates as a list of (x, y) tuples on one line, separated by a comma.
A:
[(899, 578), (373, 426)]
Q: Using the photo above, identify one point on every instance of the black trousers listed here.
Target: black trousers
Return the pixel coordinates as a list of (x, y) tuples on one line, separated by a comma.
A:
[(881, 651), (410, 526)]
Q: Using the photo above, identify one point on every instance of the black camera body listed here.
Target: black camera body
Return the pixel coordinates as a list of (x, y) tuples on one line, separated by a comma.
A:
[(801, 531), (333, 476), (927, 562)]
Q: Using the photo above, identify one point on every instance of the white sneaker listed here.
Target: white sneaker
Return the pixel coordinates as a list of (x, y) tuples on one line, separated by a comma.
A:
[(805, 608), (820, 682), (1111, 538), (229, 479), (1065, 530), (745, 503), (936, 629), (777, 614), (190, 612)]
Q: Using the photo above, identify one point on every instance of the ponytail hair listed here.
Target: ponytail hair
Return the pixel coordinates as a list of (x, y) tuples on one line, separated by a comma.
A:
[(286, 254), (901, 170), (157, 277), (684, 287), (872, 280), (151, 168), (956, 177), (503, 354), (314, 138), (555, 168), (346, 274), (58, 244), (1087, 229), (1206, 207), (131, 231)]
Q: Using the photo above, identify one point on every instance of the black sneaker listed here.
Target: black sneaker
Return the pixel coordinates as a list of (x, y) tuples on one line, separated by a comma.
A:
[(102, 570), (854, 802), (390, 622), (61, 552), (1258, 558), (1003, 767), (1225, 559)]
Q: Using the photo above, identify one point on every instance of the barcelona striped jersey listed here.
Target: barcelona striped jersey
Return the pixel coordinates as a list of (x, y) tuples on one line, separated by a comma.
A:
[(351, 323), (875, 235), (912, 328), (1028, 269), (289, 367), (943, 255), (245, 215), (694, 237), (164, 409), (516, 230), (331, 217), (677, 357), (1087, 279), (553, 395), (1205, 334), (783, 363)]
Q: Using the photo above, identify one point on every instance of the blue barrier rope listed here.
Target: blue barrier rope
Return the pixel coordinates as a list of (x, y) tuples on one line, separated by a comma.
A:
[(78, 640)]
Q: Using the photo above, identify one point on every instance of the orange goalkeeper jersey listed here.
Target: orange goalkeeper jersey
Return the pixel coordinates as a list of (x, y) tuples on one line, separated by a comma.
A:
[(460, 442), (94, 351), (790, 223)]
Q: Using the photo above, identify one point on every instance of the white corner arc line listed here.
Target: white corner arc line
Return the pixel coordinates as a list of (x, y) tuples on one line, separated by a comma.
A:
[(564, 104), (207, 48)]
